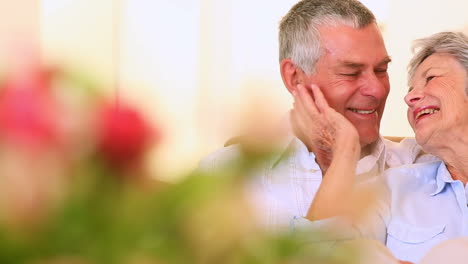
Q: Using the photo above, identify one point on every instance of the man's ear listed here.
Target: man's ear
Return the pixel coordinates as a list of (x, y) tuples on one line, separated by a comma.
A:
[(291, 74)]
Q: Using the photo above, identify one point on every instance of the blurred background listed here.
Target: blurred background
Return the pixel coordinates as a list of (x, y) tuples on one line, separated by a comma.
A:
[(196, 67)]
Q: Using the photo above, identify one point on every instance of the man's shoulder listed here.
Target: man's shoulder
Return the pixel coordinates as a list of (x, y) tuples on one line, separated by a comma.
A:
[(280, 166), (220, 157), (268, 187), (406, 151)]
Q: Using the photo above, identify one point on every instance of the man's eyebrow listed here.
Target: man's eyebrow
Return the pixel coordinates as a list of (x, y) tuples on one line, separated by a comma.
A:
[(350, 64), (387, 60)]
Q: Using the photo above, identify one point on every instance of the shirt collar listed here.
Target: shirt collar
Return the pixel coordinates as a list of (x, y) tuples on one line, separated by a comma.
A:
[(307, 159), (294, 146), (298, 149), (443, 178), (285, 148), (377, 156)]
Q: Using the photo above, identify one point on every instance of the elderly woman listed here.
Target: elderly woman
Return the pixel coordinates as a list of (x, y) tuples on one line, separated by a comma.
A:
[(422, 204)]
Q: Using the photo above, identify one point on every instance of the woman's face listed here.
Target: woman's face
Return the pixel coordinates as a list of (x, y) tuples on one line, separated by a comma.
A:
[(437, 102)]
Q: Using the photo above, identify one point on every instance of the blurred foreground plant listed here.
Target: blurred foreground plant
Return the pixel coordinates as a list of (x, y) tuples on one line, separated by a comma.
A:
[(73, 188)]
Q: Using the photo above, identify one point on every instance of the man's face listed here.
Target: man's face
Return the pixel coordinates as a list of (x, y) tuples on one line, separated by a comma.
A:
[(352, 74)]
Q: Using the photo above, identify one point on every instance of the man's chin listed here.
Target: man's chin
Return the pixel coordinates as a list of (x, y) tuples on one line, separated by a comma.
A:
[(368, 139)]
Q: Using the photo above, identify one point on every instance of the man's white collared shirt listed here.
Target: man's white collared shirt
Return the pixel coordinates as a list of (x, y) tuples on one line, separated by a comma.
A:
[(284, 190)]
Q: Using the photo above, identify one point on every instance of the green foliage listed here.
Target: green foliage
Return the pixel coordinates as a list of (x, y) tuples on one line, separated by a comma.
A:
[(202, 219)]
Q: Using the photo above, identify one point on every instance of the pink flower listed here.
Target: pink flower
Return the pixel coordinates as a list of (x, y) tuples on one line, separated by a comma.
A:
[(29, 113)]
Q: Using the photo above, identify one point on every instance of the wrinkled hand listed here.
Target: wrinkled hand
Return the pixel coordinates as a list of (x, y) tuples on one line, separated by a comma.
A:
[(320, 127)]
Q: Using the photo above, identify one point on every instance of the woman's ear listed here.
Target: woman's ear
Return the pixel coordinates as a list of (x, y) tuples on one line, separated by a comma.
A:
[(291, 74)]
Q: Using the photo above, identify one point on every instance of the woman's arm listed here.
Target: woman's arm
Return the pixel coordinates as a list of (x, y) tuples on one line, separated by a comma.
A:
[(335, 142)]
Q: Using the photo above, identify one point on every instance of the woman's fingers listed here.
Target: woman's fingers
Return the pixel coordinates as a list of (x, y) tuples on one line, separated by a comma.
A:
[(301, 120), (320, 101), (301, 110), (306, 99)]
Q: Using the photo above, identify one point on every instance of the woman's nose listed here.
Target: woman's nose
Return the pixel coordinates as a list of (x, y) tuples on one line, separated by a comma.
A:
[(413, 96)]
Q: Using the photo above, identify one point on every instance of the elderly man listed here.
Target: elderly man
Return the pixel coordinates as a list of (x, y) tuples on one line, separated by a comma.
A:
[(337, 45)]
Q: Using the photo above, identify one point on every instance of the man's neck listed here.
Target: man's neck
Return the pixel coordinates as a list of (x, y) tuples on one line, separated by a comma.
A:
[(367, 149)]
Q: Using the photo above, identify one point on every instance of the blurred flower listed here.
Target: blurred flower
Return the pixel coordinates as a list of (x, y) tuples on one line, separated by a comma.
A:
[(29, 113), (32, 160), (264, 135), (123, 135)]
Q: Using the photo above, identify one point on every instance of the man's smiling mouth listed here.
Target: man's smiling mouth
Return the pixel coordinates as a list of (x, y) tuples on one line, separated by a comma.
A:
[(359, 111)]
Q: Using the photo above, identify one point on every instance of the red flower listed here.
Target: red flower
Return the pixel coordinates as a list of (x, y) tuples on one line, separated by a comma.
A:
[(123, 135)]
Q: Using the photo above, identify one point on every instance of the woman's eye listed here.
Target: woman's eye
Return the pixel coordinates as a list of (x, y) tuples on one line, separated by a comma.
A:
[(429, 78)]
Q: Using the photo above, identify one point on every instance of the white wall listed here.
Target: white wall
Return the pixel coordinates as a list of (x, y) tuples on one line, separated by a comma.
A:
[(407, 21), (197, 66)]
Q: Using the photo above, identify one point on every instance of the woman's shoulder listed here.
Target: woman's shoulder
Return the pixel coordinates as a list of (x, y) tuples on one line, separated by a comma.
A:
[(417, 173)]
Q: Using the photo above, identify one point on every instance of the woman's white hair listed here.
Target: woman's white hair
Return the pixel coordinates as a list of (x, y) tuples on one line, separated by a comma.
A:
[(452, 43)]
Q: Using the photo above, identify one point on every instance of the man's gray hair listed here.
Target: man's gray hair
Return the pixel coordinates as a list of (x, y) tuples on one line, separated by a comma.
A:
[(299, 37), (452, 43)]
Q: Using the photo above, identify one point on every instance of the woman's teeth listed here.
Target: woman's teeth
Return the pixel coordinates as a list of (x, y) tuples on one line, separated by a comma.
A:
[(427, 111)]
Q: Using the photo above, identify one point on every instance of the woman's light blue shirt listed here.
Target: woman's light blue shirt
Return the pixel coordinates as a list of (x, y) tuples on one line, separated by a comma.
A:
[(420, 206)]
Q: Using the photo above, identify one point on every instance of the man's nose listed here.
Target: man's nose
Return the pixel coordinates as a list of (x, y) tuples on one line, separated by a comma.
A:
[(375, 86), (413, 96)]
